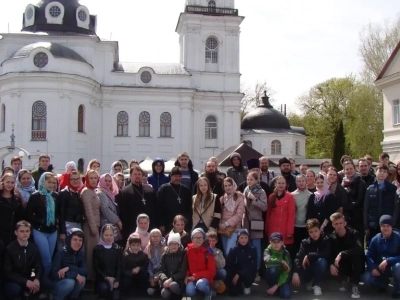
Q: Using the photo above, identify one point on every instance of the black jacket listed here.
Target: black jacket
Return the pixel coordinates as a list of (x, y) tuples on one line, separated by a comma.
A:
[(10, 213), (131, 260), (242, 260), (349, 245), (173, 265), (20, 261), (36, 212), (70, 208), (356, 193), (322, 210), (314, 250), (107, 262)]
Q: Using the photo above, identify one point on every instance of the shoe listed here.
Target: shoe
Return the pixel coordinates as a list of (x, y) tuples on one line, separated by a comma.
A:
[(246, 291), (151, 291), (343, 286), (258, 278), (317, 290), (355, 292), (309, 286)]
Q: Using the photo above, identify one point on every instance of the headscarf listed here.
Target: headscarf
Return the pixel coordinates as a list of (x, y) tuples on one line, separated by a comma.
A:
[(138, 230), (324, 191), (69, 185), (70, 164), (25, 191), (50, 205), (229, 200), (87, 182), (102, 185), (112, 172), (102, 242)]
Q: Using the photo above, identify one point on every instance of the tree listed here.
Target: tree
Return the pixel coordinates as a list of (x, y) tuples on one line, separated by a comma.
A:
[(252, 97), (339, 148)]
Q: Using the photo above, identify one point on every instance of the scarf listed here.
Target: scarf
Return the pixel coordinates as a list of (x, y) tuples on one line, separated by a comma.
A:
[(102, 242), (25, 191), (112, 172), (114, 188), (50, 206), (69, 185), (138, 230), (229, 201), (348, 181), (320, 193), (332, 187), (87, 183)]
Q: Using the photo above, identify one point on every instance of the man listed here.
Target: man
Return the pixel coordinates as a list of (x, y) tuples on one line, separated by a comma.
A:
[(370, 161), (383, 258), (221, 175), (253, 165), (189, 175), (363, 169), (22, 276), (174, 199), (211, 174), (284, 165), (237, 172), (135, 199), (380, 199), (44, 166), (303, 169), (347, 254), (384, 158), (158, 178), (266, 175), (16, 165), (293, 167)]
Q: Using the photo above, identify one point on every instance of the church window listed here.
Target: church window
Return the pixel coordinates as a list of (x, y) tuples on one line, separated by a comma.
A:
[(211, 128), (40, 60), (211, 51), (29, 13), (276, 147), (144, 124), (81, 165), (81, 118), (297, 150), (122, 123), (396, 112), (55, 11), (212, 4), (165, 124), (39, 121), (145, 77), (3, 118), (124, 164), (82, 15)]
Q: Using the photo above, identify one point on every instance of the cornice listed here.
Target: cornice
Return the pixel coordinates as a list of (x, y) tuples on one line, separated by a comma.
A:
[(388, 80), (225, 18)]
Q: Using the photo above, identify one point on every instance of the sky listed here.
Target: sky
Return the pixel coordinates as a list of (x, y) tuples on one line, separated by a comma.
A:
[(292, 45)]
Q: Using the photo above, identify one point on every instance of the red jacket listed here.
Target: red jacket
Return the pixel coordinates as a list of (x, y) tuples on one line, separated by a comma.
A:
[(201, 263), (282, 217)]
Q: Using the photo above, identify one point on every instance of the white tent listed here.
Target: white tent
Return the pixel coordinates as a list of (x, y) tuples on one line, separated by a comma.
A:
[(146, 164)]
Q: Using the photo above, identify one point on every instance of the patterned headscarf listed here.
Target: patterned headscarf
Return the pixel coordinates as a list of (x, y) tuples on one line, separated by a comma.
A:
[(114, 188), (25, 191), (50, 205)]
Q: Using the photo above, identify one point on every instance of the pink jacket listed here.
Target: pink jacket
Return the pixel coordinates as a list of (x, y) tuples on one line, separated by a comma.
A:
[(233, 218)]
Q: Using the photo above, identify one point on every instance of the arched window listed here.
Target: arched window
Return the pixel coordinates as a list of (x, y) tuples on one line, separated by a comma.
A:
[(276, 148), (211, 128), (3, 118), (124, 164), (144, 124), (297, 148), (212, 6), (81, 118), (211, 51), (81, 165), (165, 124), (39, 121), (122, 123)]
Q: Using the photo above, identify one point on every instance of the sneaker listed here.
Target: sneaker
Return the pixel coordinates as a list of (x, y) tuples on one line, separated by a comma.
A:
[(258, 278), (355, 292), (343, 286), (309, 286), (246, 291), (317, 290)]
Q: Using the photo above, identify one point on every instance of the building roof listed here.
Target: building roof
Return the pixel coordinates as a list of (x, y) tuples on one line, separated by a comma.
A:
[(158, 68), (293, 130), (389, 61)]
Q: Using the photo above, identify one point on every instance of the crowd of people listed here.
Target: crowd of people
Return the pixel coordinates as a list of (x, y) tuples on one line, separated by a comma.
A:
[(183, 234)]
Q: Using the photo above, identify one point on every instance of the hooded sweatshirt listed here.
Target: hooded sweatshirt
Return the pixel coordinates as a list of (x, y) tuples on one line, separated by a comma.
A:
[(157, 179), (239, 173)]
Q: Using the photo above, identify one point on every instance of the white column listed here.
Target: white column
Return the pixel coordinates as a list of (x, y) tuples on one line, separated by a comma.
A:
[(187, 134)]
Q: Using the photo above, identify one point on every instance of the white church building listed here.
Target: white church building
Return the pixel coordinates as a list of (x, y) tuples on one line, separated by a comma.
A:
[(67, 93)]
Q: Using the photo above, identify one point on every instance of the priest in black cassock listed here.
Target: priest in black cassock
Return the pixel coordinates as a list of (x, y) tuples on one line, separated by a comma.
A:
[(173, 199), (135, 199), (213, 177)]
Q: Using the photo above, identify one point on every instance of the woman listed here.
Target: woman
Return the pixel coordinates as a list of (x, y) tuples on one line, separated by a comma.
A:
[(109, 211), (310, 175), (41, 212), (11, 209), (206, 207), (94, 164), (396, 182), (25, 185), (322, 204), (338, 190), (324, 166), (116, 167), (64, 178), (232, 203), (91, 203)]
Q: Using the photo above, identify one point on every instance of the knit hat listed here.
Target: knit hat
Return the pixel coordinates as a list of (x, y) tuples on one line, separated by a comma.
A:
[(242, 231), (253, 163), (235, 154), (174, 238), (176, 171), (284, 160), (70, 164), (386, 220), (276, 236), (196, 230)]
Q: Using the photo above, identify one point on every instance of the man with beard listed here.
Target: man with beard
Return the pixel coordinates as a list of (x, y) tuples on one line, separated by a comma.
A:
[(266, 175), (212, 176), (363, 169), (253, 165), (135, 199), (189, 175), (174, 199), (284, 165)]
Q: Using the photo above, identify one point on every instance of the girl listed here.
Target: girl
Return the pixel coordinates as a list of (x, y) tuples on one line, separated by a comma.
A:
[(11, 209), (94, 164), (201, 266), (107, 259), (232, 203), (255, 205), (337, 189), (155, 249), (322, 204), (109, 210), (179, 224), (91, 227), (116, 167), (310, 180), (173, 269), (41, 213), (281, 213), (25, 185), (64, 178), (142, 228), (206, 210)]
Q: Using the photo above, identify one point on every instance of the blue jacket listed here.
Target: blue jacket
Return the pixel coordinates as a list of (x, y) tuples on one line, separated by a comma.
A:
[(157, 179), (381, 248), (242, 260)]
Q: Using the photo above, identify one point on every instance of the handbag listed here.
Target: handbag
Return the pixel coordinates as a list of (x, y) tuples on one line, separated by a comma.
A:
[(255, 225), (227, 232)]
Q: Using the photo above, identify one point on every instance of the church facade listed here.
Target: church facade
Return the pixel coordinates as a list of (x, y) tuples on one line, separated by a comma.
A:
[(67, 93)]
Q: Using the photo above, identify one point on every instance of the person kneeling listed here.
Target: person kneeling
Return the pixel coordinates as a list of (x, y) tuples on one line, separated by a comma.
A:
[(277, 263), (69, 269), (241, 265), (311, 262)]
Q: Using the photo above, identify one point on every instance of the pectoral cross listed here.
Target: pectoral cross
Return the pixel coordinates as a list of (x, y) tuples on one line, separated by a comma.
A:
[(179, 199), (144, 201)]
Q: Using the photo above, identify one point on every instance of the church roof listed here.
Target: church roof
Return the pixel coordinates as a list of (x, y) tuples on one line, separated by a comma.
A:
[(158, 68), (389, 61)]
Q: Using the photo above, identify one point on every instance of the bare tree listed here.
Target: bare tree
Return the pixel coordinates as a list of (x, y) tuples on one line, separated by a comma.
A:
[(252, 96)]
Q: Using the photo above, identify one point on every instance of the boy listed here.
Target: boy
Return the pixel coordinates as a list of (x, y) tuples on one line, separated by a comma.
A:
[(311, 262), (22, 277), (220, 276), (135, 263), (278, 265)]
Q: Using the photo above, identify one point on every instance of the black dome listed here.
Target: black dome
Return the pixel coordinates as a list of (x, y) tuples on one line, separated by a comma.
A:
[(69, 23), (265, 116)]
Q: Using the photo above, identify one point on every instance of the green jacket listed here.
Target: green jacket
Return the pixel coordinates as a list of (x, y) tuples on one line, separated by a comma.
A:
[(273, 259)]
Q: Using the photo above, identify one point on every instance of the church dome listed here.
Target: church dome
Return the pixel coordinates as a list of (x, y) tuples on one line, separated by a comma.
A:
[(264, 117), (62, 16)]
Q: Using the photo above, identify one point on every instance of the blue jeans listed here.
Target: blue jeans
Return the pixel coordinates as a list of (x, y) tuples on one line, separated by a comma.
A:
[(67, 287), (271, 277), (202, 285), (229, 242), (220, 275), (46, 243), (256, 243), (103, 288), (13, 290), (382, 281), (315, 271)]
